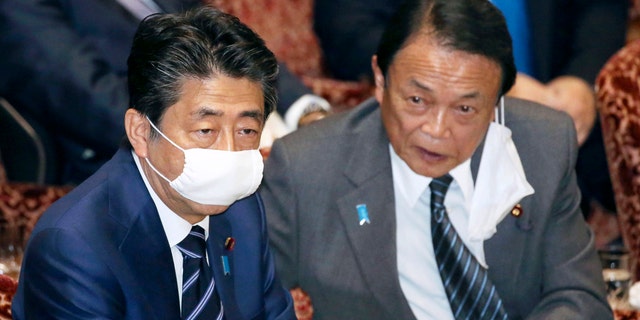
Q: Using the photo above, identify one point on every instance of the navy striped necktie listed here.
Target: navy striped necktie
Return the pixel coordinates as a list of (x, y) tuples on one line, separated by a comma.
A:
[(470, 291), (199, 297)]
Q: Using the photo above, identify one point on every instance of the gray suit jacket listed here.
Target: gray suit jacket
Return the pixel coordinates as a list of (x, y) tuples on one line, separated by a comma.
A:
[(543, 263)]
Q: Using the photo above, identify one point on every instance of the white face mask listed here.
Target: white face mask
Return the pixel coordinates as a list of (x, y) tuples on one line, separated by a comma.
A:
[(216, 177)]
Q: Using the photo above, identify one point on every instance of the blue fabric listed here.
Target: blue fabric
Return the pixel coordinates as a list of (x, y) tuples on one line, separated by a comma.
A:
[(515, 12), (107, 236)]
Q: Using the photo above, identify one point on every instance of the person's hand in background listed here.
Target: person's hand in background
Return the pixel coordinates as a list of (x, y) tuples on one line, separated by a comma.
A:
[(566, 93)]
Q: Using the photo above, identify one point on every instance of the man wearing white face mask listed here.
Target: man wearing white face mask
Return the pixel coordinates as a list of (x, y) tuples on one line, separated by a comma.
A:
[(420, 205), (170, 227)]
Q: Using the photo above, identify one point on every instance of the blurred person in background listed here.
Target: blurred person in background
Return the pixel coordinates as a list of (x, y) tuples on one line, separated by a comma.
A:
[(63, 66)]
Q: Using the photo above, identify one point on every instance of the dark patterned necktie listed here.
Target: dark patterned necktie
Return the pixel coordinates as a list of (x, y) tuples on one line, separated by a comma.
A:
[(199, 297), (470, 291)]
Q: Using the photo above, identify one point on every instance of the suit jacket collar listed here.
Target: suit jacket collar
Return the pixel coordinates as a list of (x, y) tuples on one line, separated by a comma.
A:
[(374, 244), (221, 261), (144, 245)]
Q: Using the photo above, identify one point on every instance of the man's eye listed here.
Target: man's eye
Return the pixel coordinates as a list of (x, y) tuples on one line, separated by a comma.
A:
[(465, 108), (415, 99), (205, 131), (248, 131)]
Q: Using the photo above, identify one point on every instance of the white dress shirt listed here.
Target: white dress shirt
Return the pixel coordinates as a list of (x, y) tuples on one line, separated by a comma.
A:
[(417, 267)]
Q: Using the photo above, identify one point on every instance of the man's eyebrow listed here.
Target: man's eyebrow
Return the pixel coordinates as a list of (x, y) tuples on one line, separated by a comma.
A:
[(470, 95), (208, 111), (420, 86), (255, 114)]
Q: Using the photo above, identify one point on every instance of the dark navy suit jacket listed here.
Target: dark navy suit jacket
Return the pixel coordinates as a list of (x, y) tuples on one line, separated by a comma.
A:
[(101, 253)]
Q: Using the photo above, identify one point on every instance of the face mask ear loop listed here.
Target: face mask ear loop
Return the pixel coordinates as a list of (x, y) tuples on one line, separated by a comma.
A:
[(166, 138), (156, 170), (502, 121), (499, 112), (162, 134)]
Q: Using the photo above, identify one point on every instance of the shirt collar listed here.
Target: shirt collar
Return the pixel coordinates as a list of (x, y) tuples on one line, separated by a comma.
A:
[(413, 185)]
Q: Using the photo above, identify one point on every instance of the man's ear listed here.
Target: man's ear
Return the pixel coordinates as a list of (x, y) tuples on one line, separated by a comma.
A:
[(137, 128), (378, 78)]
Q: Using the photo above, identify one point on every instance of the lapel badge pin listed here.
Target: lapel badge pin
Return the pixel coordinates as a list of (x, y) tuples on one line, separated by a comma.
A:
[(225, 265), (229, 243), (363, 214), (516, 211)]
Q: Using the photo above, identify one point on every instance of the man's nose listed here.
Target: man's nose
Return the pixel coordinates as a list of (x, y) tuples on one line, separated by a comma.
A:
[(435, 124), (226, 141)]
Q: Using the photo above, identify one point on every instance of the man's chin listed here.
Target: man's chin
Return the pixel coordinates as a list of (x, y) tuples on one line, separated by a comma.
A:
[(432, 169), (210, 210)]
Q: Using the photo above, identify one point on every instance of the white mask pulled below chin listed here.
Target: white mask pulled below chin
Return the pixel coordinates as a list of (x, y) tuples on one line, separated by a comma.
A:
[(215, 177)]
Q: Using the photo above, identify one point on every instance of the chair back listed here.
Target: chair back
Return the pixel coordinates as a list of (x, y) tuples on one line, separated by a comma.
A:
[(3, 174), (8, 288), (618, 95), (24, 153)]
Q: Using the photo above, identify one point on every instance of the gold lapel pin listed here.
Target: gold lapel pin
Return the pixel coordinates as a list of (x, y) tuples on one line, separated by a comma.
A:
[(229, 243), (516, 211)]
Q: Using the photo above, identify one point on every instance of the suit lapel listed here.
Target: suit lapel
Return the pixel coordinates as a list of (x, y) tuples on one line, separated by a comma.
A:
[(374, 244), (145, 246), (510, 235), (152, 263), (219, 230)]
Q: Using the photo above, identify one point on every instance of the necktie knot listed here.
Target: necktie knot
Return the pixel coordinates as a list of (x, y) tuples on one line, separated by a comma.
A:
[(194, 244), (439, 187)]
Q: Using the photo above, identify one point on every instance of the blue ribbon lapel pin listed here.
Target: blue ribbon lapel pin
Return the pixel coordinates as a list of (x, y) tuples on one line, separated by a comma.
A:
[(363, 214)]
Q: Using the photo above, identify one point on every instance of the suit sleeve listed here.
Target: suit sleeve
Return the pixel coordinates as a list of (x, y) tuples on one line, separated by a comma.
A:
[(572, 284), (280, 206), (67, 280), (53, 71), (278, 301)]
